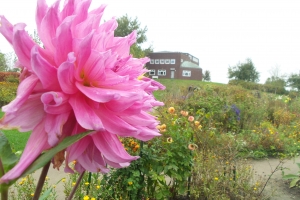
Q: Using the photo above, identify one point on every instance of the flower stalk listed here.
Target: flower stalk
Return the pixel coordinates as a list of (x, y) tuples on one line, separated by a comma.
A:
[(41, 182), (76, 186)]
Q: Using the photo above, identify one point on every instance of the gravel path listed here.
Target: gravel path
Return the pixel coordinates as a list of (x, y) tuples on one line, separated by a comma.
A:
[(277, 188)]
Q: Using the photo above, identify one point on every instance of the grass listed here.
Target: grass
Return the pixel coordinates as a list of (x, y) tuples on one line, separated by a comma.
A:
[(16, 139)]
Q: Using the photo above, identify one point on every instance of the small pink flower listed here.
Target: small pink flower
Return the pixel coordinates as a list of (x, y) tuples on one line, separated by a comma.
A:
[(191, 118), (82, 79)]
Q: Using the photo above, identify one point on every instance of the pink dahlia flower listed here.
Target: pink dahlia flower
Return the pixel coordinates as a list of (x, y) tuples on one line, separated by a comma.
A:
[(83, 78)]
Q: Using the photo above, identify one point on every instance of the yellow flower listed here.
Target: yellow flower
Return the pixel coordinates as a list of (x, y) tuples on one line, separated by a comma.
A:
[(169, 140), (32, 194), (86, 183), (197, 123), (171, 110), (254, 188), (54, 186), (63, 180), (21, 183), (130, 183), (98, 187), (216, 178), (93, 198), (86, 198), (47, 178), (73, 184)]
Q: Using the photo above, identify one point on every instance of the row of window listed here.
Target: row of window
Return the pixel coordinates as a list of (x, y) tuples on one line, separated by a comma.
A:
[(162, 61), (163, 72)]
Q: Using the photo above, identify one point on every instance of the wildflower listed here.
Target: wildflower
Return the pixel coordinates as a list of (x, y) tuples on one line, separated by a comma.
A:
[(86, 183), (83, 79), (32, 194), (130, 183), (191, 118), (192, 147), (63, 180), (86, 197), (199, 127), (73, 184), (197, 123), (21, 182), (47, 178), (93, 198), (169, 140), (255, 188), (171, 110), (216, 178), (184, 113), (54, 186), (97, 187)]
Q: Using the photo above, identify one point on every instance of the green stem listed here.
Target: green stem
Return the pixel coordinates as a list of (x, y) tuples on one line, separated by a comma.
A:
[(4, 189), (41, 182), (76, 186), (89, 181)]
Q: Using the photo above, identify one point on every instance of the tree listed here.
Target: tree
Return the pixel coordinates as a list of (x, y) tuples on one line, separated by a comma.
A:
[(244, 71), (3, 63), (206, 75), (277, 80), (125, 26), (294, 81)]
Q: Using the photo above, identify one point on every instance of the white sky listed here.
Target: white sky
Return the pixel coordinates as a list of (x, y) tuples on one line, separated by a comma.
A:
[(220, 33)]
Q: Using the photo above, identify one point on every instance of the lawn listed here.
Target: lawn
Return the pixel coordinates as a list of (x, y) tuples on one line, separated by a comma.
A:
[(16, 139)]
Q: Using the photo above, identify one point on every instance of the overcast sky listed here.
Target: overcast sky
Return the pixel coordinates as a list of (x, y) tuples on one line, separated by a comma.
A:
[(220, 33)]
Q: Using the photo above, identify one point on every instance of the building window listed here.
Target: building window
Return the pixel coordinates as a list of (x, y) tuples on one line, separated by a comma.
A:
[(162, 61), (152, 61), (152, 72), (156, 61), (172, 61), (167, 61), (186, 73), (161, 72)]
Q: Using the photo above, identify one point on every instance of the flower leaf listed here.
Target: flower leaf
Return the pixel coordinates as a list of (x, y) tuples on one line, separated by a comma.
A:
[(45, 157), (8, 158)]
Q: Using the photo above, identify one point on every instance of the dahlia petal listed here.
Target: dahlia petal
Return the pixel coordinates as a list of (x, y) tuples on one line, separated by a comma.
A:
[(68, 9), (115, 124), (147, 133), (48, 25), (85, 115), (44, 70), (56, 102), (54, 126), (36, 144), (24, 90), (63, 41), (98, 94), (41, 11), (111, 147), (66, 76), (6, 29), (22, 44), (84, 50), (80, 12), (32, 109), (117, 165)]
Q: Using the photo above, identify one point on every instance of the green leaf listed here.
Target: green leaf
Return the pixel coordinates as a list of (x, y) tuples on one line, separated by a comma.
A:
[(8, 158), (290, 176), (294, 182), (45, 157)]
